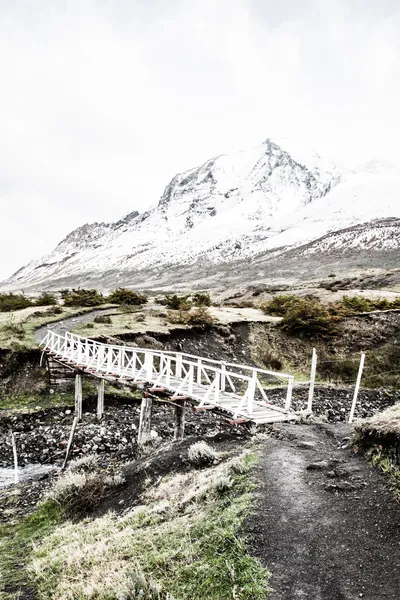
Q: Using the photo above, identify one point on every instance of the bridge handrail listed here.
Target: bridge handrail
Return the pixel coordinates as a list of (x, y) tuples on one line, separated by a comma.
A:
[(202, 378), (173, 352)]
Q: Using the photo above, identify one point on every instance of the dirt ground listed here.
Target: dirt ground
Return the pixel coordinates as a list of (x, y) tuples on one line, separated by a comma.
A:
[(325, 524)]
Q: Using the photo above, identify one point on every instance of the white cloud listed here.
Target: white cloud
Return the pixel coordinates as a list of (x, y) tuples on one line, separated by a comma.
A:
[(102, 102)]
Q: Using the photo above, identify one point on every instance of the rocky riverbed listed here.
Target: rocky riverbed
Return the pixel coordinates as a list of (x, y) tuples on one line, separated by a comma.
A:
[(42, 437)]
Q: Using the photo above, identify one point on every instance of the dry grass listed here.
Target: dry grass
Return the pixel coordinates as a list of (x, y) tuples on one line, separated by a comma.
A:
[(182, 545), (201, 453), (386, 423)]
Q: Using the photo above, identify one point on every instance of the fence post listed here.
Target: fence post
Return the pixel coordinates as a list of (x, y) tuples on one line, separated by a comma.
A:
[(14, 447), (289, 393), (145, 419), (100, 399), (179, 426), (312, 380), (78, 396), (357, 388)]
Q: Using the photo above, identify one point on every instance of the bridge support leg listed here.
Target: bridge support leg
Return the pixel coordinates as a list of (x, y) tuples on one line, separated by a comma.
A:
[(145, 420), (78, 396), (179, 426), (100, 399)]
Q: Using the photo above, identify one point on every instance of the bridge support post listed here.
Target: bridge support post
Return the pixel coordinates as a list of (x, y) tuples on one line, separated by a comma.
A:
[(100, 399), (78, 396), (145, 419), (179, 425)]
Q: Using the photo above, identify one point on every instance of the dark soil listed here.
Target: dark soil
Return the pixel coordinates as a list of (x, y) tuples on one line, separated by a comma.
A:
[(325, 523)]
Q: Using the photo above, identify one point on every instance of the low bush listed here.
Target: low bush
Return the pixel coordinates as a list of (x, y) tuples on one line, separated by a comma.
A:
[(196, 316), (103, 319), (10, 302), (54, 310), (307, 317), (82, 297), (201, 454), (279, 305), (127, 297), (175, 302), (46, 299), (200, 316), (201, 299)]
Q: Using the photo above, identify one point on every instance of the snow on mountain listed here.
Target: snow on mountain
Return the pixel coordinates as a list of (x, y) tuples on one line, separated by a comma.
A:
[(272, 198)]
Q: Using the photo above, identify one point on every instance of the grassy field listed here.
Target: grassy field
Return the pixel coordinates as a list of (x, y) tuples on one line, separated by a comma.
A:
[(182, 543)]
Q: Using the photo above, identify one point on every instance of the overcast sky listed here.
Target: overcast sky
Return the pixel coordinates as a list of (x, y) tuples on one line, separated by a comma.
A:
[(103, 101)]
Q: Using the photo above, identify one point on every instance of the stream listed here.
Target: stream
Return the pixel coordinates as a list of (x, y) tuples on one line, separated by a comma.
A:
[(25, 473)]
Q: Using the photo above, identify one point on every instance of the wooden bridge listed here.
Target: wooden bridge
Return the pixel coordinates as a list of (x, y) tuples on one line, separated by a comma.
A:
[(239, 391)]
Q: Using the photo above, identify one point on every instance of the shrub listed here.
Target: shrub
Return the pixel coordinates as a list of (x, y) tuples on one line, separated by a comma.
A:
[(82, 297), (104, 319), (10, 302), (46, 299), (197, 316), (307, 317), (201, 299), (126, 297), (175, 302), (280, 305), (355, 304), (201, 453), (140, 318), (54, 310), (200, 316)]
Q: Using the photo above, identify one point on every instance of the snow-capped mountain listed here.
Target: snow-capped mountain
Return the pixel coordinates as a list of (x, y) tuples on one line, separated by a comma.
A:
[(253, 206)]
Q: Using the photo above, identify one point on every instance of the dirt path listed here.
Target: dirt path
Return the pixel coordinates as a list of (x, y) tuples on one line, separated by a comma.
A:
[(70, 323), (331, 532)]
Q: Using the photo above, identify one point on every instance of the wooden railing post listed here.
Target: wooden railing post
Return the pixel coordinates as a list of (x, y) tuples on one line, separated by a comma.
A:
[(289, 393), (100, 399), (145, 419), (312, 380), (148, 366), (178, 366), (357, 388), (78, 396)]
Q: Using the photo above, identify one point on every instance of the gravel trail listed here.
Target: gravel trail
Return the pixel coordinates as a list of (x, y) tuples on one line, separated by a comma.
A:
[(325, 525)]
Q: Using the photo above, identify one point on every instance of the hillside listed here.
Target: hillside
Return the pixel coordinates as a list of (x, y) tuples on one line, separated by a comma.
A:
[(267, 212)]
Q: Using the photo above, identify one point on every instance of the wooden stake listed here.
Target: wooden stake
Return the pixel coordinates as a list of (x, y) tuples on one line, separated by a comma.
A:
[(145, 419), (78, 396), (100, 399), (357, 388), (179, 428), (312, 380), (71, 439), (14, 447)]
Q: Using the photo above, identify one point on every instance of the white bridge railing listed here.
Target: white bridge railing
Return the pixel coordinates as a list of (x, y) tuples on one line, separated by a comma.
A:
[(210, 382)]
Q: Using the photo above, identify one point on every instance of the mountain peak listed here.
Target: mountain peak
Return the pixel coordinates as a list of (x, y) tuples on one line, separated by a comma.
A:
[(265, 201)]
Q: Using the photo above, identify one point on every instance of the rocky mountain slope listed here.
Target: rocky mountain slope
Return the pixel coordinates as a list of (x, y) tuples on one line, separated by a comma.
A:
[(272, 211)]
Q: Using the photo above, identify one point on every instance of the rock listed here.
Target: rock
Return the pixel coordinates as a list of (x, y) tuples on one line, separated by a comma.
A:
[(307, 445), (319, 466)]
